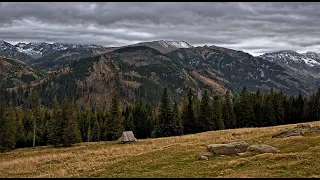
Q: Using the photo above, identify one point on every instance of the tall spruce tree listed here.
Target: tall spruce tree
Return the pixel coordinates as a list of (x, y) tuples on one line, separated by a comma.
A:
[(55, 124), (70, 133), (269, 114), (8, 129), (166, 124), (189, 120), (300, 104), (258, 109), (205, 118), (35, 107), (279, 108), (316, 107), (217, 114), (228, 112), (20, 135), (115, 125), (245, 113), (95, 132), (177, 120)]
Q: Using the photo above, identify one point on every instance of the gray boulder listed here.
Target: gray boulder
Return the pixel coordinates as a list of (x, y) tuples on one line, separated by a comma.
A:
[(241, 145), (315, 129), (263, 148), (304, 125), (289, 132), (223, 149), (228, 148)]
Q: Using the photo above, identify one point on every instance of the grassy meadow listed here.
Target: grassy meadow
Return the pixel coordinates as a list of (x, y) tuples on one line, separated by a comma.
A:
[(171, 157)]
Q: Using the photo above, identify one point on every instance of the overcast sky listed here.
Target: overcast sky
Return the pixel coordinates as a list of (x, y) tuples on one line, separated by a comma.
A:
[(253, 27)]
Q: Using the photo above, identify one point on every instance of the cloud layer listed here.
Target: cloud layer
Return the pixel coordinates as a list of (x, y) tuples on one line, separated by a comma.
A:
[(254, 27)]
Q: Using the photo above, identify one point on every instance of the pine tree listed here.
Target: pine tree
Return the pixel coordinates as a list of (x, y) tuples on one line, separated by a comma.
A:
[(245, 113), (258, 110), (140, 118), (228, 115), (316, 107), (115, 125), (299, 106), (165, 125), (204, 119), (55, 125), (150, 120), (178, 122), (8, 129), (70, 132), (96, 131), (20, 135), (269, 114), (189, 121), (279, 108), (129, 123), (311, 113), (35, 107), (217, 115), (196, 110)]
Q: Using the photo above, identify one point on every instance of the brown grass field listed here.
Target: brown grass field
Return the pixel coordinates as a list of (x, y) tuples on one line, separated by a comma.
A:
[(171, 157)]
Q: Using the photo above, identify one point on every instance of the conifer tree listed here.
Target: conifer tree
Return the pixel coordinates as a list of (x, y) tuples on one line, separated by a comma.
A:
[(115, 125), (228, 115), (204, 119), (129, 123), (279, 108), (55, 124), (95, 131), (269, 114), (178, 122), (189, 121), (299, 107), (258, 109), (316, 107), (35, 107), (165, 126), (70, 132), (8, 129), (20, 135), (245, 113), (217, 115)]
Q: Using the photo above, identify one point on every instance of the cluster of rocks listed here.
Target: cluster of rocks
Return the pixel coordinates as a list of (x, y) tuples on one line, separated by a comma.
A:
[(241, 148), (238, 148), (299, 130)]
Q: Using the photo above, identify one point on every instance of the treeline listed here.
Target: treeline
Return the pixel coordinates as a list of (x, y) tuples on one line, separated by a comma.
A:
[(65, 124)]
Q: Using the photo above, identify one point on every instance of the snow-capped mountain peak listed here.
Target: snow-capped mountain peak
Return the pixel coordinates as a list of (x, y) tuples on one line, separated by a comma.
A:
[(5, 45), (289, 57), (177, 44)]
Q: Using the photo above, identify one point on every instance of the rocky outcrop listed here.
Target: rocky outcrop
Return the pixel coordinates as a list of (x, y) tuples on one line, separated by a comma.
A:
[(315, 129), (240, 145), (223, 149), (229, 148), (304, 125), (263, 148), (289, 132), (238, 148)]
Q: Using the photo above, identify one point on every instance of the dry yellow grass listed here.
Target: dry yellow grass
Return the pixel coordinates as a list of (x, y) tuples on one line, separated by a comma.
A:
[(170, 157)]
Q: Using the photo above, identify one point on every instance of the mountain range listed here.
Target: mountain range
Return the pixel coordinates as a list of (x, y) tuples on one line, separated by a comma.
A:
[(140, 71)]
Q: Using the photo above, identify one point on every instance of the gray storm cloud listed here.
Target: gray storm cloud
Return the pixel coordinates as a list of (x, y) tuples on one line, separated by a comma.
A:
[(256, 27)]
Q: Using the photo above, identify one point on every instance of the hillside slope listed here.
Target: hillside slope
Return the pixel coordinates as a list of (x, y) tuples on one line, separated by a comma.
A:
[(15, 73), (171, 157)]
